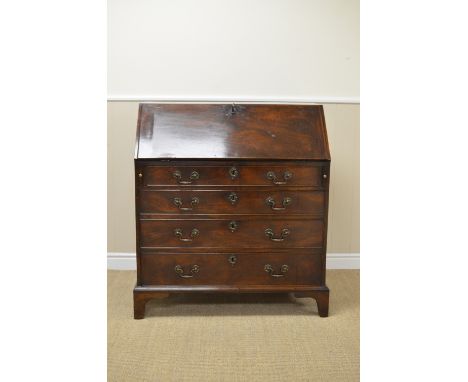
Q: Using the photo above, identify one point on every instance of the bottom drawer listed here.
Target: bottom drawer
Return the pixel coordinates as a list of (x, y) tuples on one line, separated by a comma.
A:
[(231, 269)]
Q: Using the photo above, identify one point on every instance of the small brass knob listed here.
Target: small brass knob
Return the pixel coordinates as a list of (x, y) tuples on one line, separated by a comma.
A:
[(140, 175), (324, 176)]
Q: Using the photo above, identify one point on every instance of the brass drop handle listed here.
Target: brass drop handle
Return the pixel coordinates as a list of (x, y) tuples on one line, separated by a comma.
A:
[(271, 235), (179, 270), (233, 172), (271, 202), (269, 269), (286, 176), (194, 202), (233, 198), (179, 233), (194, 175)]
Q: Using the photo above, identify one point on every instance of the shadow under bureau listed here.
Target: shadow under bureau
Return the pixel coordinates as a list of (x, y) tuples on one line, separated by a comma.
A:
[(231, 198)]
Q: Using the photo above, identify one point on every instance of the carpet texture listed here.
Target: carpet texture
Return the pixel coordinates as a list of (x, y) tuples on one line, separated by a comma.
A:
[(235, 337)]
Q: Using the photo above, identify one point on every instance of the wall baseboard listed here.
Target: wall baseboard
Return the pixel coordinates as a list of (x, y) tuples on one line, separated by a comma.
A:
[(285, 100), (343, 261), (126, 261), (121, 261)]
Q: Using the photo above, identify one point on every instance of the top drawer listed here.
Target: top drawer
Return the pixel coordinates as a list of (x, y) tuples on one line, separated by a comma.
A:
[(276, 175)]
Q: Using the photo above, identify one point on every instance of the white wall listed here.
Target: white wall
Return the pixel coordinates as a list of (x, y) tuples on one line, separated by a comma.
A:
[(253, 50)]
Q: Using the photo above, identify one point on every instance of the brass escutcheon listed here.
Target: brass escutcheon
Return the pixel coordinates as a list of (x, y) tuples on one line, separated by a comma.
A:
[(233, 172), (232, 259), (233, 198), (233, 225)]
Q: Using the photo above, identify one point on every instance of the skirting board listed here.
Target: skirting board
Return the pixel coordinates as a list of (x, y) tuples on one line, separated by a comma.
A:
[(126, 261)]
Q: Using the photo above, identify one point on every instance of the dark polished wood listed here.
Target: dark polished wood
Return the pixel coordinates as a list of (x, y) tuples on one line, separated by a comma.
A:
[(248, 175), (214, 131), (233, 232), (232, 269), (140, 298), (231, 199), (320, 296)]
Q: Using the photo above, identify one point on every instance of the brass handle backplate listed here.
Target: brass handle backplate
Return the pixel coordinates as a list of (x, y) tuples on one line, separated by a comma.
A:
[(194, 202), (193, 270), (269, 269), (179, 233), (271, 235), (287, 175), (233, 172), (271, 202), (194, 175)]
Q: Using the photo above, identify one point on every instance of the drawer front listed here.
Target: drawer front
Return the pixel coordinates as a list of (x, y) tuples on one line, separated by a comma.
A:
[(231, 233), (231, 269), (223, 175), (232, 202)]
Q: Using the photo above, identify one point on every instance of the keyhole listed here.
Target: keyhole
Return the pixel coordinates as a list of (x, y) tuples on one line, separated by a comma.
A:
[(232, 259)]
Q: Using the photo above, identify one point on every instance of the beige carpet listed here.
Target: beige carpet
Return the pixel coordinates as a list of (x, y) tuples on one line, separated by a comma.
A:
[(234, 337)]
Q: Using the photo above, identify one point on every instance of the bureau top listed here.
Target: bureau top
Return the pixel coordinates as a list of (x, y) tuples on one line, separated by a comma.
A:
[(240, 131)]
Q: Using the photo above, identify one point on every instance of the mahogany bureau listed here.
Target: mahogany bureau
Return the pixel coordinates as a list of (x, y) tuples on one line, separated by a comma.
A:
[(231, 198)]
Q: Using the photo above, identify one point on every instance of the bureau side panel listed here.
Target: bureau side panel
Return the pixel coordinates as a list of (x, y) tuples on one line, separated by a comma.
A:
[(138, 170), (326, 185)]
